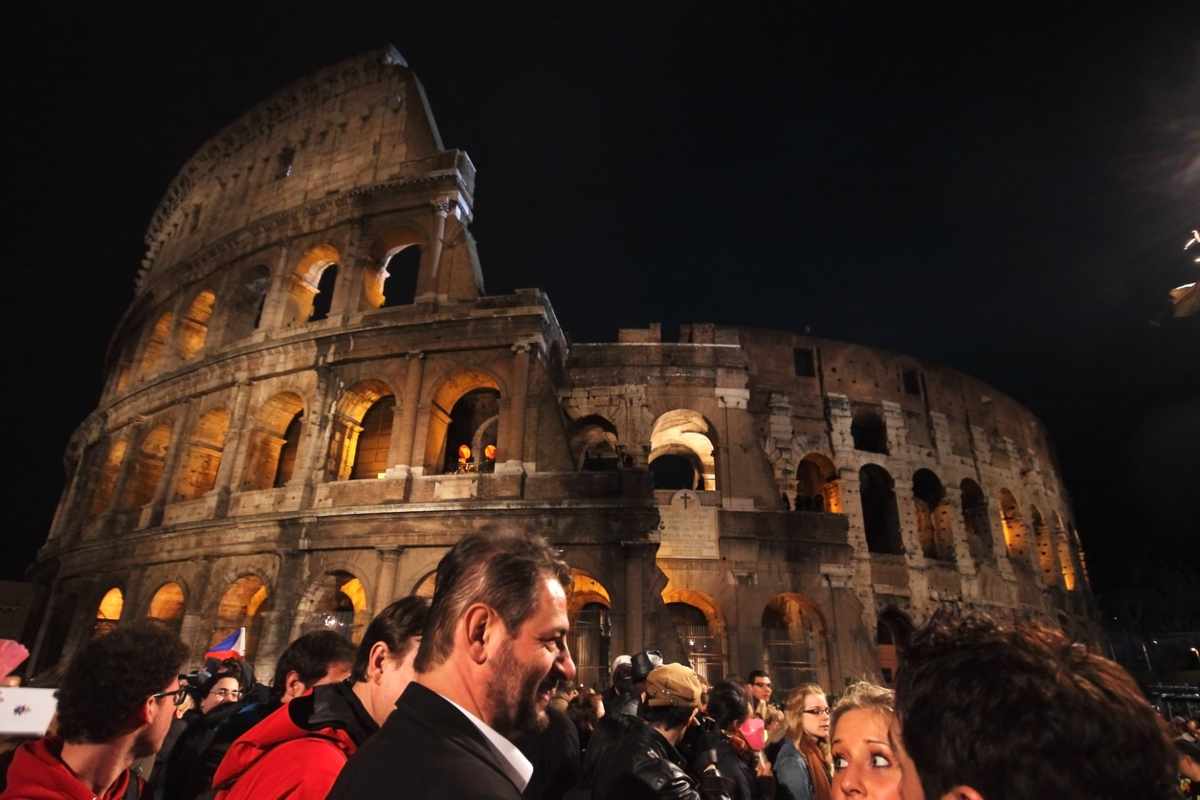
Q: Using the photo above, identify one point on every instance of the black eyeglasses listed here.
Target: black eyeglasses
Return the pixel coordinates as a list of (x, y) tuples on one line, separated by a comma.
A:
[(178, 695), (820, 712)]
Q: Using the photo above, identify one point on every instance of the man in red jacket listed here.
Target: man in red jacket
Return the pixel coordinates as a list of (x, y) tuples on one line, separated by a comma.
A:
[(115, 705), (298, 751)]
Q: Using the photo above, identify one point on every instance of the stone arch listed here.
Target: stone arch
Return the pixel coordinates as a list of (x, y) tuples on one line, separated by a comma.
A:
[(396, 248), (462, 402), (589, 608), (794, 647), (975, 519), (168, 605), (593, 442), (881, 515), (1045, 546), (817, 486), (1066, 562), (146, 472), (934, 528), (109, 473), (155, 348), (248, 300), (685, 435), (869, 431), (108, 611), (362, 432), (274, 442), (192, 333), (700, 630), (305, 284), (239, 607), (202, 461), (336, 601), (892, 629), (1015, 536)]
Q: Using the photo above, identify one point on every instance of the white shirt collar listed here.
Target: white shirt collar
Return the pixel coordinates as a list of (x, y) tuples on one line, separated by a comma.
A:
[(507, 749)]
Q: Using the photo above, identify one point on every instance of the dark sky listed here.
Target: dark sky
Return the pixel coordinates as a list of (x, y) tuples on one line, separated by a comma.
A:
[(1008, 195)]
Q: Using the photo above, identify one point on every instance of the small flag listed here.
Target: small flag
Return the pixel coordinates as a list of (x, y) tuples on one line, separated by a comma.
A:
[(232, 646)]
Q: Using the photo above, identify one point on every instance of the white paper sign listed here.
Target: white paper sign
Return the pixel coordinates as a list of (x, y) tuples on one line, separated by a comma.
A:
[(689, 530)]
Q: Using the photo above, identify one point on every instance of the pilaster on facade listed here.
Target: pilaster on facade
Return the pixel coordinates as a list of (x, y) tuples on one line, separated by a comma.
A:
[(981, 445), (940, 424), (778, 444), (896, 428), (840, 415)]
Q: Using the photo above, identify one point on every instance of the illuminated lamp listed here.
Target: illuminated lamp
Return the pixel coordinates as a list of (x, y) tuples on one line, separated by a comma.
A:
[(489, 452), (464, 453)]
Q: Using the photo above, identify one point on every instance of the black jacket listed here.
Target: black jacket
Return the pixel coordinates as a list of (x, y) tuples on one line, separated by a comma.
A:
[(644, 765), (427, 749), (555, 756)]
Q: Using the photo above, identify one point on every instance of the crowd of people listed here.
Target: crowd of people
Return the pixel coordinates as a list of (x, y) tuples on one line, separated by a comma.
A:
[(472, 695)]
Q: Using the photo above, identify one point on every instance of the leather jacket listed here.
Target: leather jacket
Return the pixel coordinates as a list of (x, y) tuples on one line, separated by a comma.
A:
[(645, 765)]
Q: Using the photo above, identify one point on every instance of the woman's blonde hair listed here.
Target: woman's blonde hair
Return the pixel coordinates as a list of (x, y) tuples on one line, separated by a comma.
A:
[(863, 695), (794, 711)]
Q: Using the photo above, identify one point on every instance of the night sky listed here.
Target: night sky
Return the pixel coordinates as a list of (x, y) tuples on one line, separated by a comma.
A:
[(1006, 195)]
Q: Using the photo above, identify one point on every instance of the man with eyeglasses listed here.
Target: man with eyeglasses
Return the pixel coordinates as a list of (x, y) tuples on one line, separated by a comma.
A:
[(115, 704), (760, 693)]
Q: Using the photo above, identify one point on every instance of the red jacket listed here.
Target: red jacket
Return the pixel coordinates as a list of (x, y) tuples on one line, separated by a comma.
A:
[(298, 751), (38, 773)]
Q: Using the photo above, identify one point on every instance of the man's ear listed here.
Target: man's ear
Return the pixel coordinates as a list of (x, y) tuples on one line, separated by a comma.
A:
[(293, 687), (479, 623), (379, 653), (147, 712), (962, 793)]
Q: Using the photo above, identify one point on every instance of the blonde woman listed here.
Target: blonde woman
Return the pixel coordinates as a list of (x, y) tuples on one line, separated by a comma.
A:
[(864, 766), (802, 766)]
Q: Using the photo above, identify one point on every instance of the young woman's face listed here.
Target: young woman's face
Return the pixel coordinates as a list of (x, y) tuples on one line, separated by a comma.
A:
[(864, 765), (816, 716)]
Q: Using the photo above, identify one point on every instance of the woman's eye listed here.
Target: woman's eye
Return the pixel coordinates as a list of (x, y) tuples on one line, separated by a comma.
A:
[(840, 763), (880, 761)]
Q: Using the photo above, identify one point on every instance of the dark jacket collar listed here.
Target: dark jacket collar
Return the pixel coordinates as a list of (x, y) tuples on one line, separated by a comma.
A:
[(333, 705), (429, 709)]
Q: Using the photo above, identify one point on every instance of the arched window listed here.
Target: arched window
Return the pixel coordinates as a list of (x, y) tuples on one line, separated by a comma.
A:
[(881, 517), (817, 486), (168, 605), (106, 482), (934, 529), (108, 614), (374, 440), (247, 303), (274, 442), (891, 631), (338, 602), (698, 640), (593, 443), (975, 520), (199, 473), (156, 345), (685, 441), (793, 651), (1014, 528), (464, 429), (310, 294), (588, 608), (1066, 562), (147, 469), (400, 277), (239, 608), (869, 432), (193, 328)]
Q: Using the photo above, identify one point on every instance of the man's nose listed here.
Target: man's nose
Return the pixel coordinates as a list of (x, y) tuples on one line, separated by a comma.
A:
[(565, 664)]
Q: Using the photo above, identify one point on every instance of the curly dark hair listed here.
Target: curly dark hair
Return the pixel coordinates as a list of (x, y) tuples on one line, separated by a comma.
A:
[(727, 704), (1024, 712), (111, 677)]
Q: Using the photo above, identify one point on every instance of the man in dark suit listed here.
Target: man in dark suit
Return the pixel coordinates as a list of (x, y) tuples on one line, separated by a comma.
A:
[(493, 652)]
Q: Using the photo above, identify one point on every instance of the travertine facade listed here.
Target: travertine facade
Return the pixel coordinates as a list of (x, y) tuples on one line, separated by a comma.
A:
[(311, 347)]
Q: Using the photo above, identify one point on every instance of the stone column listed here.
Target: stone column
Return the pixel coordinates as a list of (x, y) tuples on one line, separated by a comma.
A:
[(428, 278), (837, 410), (385, 580), (897, 430), (962, 546), (403, 450), (634, 608), (196, 623), (278, 293), (318, 425), (185, 423), (276, 624), (233, 453), (514, 459)]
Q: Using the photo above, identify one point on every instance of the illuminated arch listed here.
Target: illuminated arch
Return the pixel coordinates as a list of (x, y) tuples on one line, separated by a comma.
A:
[(337, 601), (482, 391), (1015, 537), (202, 461), (362, 434), (817, 487), (274, 442), (239, 607), (794, 648), (1066, 562), (146, 472), (155, 347), (1045, 547), (934, 528), (110, 471), (193, 327), (593, 442), (168, 605), (975, 520), (685, 435), (108, 611), (589, 608), (705, 644), (305, 283)]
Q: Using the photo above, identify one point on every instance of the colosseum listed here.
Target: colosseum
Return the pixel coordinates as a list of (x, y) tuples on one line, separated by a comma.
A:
[(312, 396)]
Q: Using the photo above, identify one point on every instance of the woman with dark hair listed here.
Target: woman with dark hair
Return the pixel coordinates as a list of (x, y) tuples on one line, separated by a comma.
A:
[(802, 765), (298, 751), (742, 766)]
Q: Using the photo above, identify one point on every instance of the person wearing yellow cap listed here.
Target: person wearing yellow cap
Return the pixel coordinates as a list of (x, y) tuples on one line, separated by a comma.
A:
[(646, 763)]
